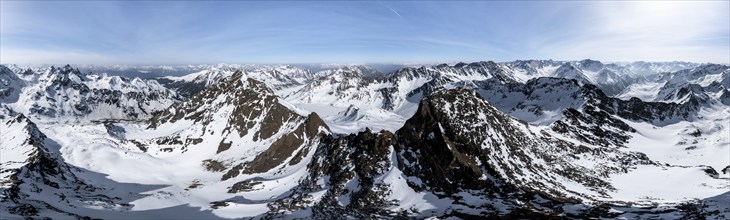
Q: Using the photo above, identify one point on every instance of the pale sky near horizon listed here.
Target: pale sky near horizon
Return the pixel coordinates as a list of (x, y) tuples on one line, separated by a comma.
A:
[(196, 32)]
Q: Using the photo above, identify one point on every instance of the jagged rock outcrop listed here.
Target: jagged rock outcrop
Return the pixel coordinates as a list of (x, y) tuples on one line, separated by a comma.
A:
[(538, 100), (65, 93), (395, 91), (455, 146), (241, 123), (235, 149), (275, 77), (34, 179), (611, 78), (11, 85)]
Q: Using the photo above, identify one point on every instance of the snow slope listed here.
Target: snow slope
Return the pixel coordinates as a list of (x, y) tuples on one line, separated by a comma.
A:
[(66, 94), (474, 140)]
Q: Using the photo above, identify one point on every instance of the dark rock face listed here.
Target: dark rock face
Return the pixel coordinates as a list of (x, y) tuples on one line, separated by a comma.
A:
[(593, 126), (682, 87), (251, 99), (534, 96), (588, 114), (254, 110), (478, 141), (67, 77), (44, 176), (637, 110), (185, 89), (67, 92), (611, 78), (286, 146), (41, 161), (726, 169), (351, 165), (240, 96), (114, 130), (447, 161), (530, 100), (10, 85), (457, 149), (416, 82), (456, 143)]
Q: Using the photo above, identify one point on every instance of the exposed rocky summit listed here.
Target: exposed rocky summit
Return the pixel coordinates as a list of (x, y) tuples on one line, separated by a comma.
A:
[(523, 139), (39, 179)]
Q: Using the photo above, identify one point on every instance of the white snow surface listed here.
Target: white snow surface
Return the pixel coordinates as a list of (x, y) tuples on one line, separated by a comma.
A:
[(165, 180)]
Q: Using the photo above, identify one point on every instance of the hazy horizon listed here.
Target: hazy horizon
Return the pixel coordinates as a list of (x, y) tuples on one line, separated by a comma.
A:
[(342, 63), (362, 32)]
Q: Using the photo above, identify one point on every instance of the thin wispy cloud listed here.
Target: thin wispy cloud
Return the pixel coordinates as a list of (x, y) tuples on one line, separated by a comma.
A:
[(391, 9), (400, 31)]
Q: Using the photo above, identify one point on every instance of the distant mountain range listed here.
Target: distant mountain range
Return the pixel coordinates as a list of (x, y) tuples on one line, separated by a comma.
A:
[(523, 139)]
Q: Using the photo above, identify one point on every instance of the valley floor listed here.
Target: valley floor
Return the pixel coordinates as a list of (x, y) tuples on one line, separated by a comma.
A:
[(177, 185)]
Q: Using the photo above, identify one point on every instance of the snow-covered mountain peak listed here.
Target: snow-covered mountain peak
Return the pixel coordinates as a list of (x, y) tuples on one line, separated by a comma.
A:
[(65, 93), (452, 124), (590, 65), (346, 72), (363, 70), (240, 113), (706, 70), (11, 85), (650, 68), (65, 76), (570, 70), (280, 77), (521, 139)]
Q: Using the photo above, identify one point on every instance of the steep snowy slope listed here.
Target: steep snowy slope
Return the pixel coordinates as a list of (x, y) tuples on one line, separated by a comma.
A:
[(193, 83), (29, 168), (528, 69), (611, 78), (692, 133), (353, 119), (398, 92), (625, 80), (458, 156), (538, 101), (230, 150), (543, 100), (653, 68), (343, 84), (12, 85), (241, 114), (703, 83), (473, 132), (601, 124), (344, 87), (479, 140), (279, 78), (66, 94), (35, 181)]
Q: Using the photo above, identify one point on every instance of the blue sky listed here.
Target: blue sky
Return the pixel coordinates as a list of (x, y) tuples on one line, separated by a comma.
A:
[(191, 32)]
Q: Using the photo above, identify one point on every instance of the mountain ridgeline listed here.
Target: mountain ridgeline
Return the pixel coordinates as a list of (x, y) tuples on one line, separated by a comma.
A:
[(522, 139)]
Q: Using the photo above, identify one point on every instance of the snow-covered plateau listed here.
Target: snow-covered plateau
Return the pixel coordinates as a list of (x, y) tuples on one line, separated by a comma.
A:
[(527, 139)]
